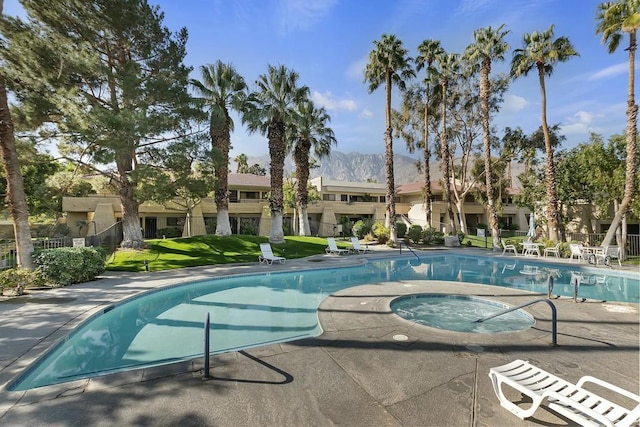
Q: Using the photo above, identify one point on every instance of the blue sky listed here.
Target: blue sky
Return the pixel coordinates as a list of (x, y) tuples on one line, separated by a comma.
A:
[(328, 41)]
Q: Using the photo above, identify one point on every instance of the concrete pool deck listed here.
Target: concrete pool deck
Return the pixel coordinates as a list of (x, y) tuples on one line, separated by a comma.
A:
[(368, 368)]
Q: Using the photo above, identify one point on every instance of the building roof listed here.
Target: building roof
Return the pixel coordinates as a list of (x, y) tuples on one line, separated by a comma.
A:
[(248, 180)]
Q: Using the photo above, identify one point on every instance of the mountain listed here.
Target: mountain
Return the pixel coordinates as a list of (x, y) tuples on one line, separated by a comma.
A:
[(357, 167)]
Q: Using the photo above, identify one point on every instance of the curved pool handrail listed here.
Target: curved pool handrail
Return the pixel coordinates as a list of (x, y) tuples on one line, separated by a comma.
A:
[(554, 329), (410, 250)]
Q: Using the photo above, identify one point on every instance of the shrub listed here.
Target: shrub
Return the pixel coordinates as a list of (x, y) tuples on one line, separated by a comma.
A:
[(401, 229), (169, 232), (65, 266), (461, 236), (19, 279), (428, 235), (380, 232), (361, 228), (415, 233)]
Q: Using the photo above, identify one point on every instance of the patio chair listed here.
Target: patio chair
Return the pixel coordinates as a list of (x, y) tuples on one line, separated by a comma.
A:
[(554, 250), (572, 401), (333, 247), (508, 248), (577, 251), (357, 247), (609, 253), (267, 256)]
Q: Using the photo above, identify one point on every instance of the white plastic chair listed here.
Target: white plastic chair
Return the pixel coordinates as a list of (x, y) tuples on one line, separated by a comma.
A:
[(333, 247), (508, 248), (577, 251), (554, 250), (267, 256)]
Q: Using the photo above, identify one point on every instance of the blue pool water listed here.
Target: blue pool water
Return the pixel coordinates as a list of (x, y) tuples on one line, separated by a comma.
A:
[(459, 313), (166, 325)]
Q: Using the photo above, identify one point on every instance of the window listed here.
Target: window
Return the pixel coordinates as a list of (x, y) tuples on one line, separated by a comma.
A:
[(173, 221), (344, 197), (329, 197)]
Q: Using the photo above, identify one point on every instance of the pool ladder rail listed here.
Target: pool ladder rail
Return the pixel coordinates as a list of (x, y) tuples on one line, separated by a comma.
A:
[(410, 250), (554, 317)]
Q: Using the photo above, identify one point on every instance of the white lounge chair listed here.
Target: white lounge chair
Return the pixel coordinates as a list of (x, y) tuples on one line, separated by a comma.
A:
[(554, 250), (577, 251), (267, 256), (333, 248), (357, 247), (572, 401), (508, 248)]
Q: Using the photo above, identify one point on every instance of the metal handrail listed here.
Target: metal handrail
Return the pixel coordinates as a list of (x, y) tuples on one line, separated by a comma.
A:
[(410, 250), (554, 317)]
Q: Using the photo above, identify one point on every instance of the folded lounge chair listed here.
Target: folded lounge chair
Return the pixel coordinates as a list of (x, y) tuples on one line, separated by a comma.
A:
[(333, 247), (572, 401), (357, 247), (267, 256)]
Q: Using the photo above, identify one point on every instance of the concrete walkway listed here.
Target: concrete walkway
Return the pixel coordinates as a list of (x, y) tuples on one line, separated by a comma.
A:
[(368, 368)]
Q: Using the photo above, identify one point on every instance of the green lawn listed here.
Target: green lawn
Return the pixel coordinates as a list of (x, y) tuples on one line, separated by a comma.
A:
[(168, 254)]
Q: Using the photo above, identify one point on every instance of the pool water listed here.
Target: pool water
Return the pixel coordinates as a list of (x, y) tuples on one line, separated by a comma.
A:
[(459, 313), (166, 325)]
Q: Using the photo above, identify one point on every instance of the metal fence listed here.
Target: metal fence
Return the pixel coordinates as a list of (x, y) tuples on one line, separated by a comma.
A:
[(109, 239)]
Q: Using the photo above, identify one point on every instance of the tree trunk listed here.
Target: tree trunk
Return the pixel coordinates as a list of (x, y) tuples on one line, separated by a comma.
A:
[(632, 146), (15, 185), (446, 162), (131, 230), (303, 222), (391, 188), (276, 137), (427, 157), (301, 153), (486, 141), (221, 141), (554, 224)]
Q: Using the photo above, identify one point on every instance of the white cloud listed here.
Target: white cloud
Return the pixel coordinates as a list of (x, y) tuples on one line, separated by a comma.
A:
[(328, 101), (515, 103), (365, 114), (302, 14), (580, 123), (612, 71)]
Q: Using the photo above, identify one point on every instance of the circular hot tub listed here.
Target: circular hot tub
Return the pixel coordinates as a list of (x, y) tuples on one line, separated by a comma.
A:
[(460, 313)]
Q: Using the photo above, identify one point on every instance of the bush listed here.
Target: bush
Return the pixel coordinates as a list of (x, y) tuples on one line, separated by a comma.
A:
[(19, 279), (415, 233), (65, 266), (401, 229), (380, 232), (428, 235), (361, 228), (461, 236), (169, 232)]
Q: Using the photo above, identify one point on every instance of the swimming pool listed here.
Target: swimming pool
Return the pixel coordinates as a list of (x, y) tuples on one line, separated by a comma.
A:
[(166, 325)]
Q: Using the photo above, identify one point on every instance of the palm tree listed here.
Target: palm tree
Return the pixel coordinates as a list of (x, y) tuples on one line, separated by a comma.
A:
[(242, 165), (615, 18), (388, 64), (310, 131), (270, 110), (489, 45), (428, 50), (221, 89), (541, 51), (15, 184), (449, 65)]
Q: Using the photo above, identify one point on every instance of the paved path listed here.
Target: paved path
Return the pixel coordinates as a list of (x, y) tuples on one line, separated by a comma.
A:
[(356, 373)]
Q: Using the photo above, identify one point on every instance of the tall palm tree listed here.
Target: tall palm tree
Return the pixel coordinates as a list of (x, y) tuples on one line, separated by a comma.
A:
[(389, 64), (271, 108), (428, 50), (615, 18), (449, 67), (15, 184), (221, 89), (489, 45), (310, 131), (541, 51)]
